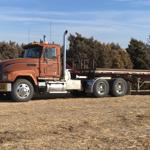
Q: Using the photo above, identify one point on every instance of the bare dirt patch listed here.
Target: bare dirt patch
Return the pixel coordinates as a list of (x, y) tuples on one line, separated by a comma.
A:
[(72, 124)]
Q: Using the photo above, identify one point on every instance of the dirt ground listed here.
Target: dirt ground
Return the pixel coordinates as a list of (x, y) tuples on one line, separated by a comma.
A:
[(76, 124)]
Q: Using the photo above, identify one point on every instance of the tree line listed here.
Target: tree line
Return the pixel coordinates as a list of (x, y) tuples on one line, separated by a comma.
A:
[(108, 55), (90, 51)]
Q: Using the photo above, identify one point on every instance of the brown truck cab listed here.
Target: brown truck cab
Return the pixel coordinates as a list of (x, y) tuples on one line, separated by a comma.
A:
[(40, 60)]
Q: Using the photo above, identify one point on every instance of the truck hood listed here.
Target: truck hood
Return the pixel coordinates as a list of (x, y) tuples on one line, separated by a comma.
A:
[(16, 62)]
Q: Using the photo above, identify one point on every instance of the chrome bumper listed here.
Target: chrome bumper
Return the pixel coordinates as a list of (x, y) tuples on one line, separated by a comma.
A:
[(5, 87)]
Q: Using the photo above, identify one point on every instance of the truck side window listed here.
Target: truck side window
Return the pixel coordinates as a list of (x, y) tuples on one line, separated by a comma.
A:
[(50, 53)]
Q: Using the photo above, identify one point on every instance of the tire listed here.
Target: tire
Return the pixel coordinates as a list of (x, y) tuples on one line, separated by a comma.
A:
[(22, 90), (119, 87), (101, 88)]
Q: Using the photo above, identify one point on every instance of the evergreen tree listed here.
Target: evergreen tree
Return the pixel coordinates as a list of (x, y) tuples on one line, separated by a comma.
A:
[(140, 54)]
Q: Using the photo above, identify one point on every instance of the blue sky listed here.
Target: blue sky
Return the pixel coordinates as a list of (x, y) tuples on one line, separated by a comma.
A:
[(106, 20)]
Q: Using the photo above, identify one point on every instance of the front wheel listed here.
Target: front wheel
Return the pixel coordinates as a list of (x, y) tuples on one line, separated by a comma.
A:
[(22, 90)]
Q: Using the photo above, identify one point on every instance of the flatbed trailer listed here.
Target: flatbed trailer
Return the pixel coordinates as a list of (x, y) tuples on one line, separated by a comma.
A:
[(138, 78)]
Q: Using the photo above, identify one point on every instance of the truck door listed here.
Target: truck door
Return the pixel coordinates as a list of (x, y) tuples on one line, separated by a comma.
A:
[(50, 63)]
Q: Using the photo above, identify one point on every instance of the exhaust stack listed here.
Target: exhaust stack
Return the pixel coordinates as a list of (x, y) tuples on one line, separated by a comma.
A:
[(64, 55)]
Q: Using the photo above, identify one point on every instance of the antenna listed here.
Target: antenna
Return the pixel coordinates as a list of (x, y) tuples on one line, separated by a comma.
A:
[(44, 38)]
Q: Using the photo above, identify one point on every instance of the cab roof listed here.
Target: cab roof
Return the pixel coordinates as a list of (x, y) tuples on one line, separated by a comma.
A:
[(41, 44)]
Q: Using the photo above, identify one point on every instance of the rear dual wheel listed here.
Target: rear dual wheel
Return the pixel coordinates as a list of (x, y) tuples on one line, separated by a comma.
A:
[(101, 88), (117, 87)]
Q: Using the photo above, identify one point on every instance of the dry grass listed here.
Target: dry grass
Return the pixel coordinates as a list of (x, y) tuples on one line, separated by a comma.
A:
[(76, 124)]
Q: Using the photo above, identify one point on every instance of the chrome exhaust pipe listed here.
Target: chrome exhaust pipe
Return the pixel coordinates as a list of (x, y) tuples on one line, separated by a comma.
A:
[(64, 55)]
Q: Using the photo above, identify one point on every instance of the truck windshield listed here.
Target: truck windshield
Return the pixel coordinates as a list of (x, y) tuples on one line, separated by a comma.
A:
[(34, 52)]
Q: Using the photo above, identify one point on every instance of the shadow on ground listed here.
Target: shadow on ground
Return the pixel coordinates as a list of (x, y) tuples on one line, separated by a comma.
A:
[(47, 96), (6, 98)]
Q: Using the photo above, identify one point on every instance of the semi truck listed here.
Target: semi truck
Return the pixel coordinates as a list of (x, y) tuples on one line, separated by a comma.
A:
[(42, 70)]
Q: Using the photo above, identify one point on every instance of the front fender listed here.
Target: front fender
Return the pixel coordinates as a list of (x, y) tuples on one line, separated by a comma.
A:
[(26, 73)]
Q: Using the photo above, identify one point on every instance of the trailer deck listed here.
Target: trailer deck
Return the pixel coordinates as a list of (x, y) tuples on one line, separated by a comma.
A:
[(116, 72), (122, 71)]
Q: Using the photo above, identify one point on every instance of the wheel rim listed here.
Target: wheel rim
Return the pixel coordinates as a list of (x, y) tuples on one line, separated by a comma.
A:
[(101, 87), (119, 88), (23, 91)]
